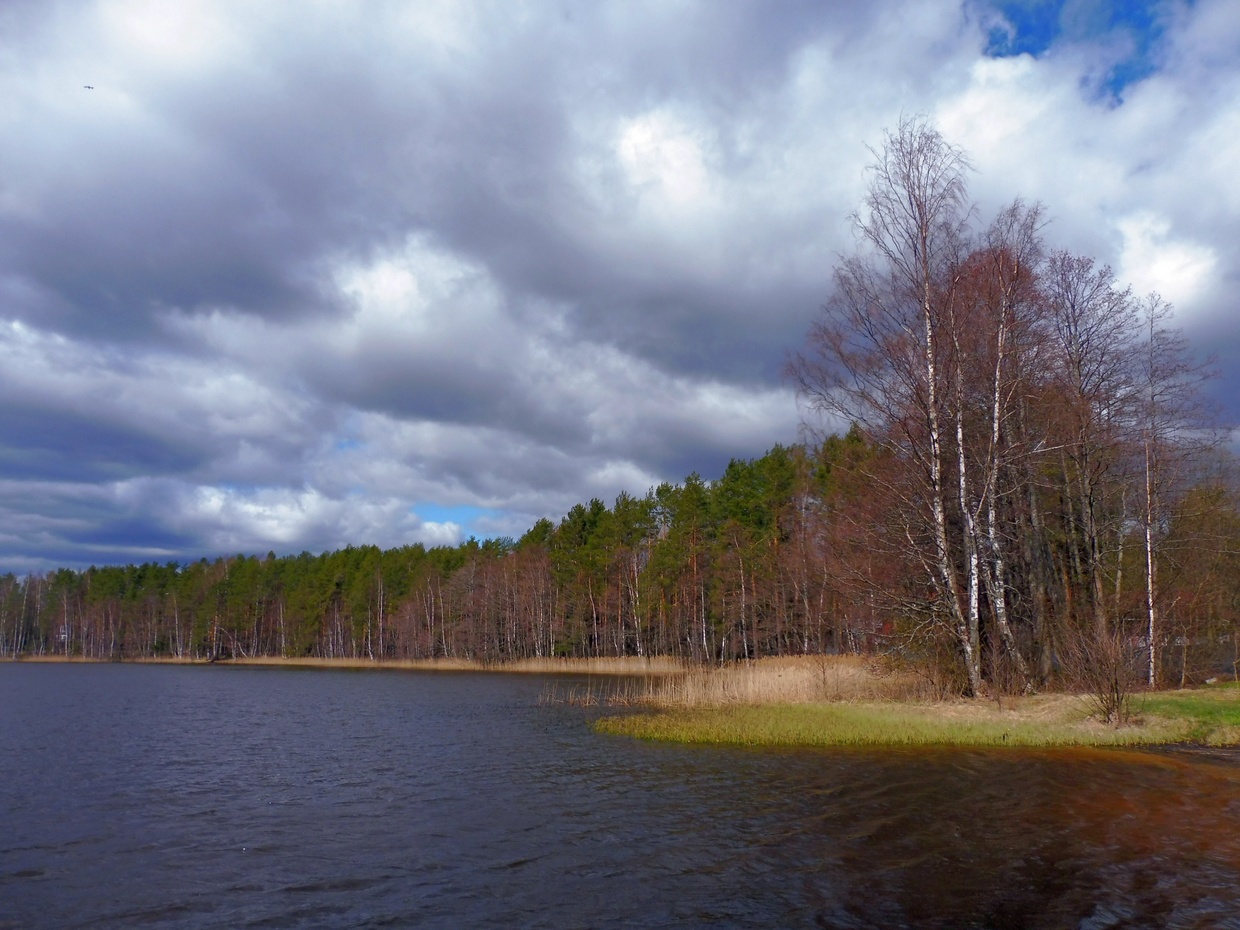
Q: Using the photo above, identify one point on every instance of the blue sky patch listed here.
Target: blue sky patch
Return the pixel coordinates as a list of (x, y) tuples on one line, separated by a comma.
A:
[(1131, 31)]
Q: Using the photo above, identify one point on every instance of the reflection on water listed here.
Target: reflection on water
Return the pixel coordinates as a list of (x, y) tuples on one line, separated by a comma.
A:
[(221, 797), (1030, 840)]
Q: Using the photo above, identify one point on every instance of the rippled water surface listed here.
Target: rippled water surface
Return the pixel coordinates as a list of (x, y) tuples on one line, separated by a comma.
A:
[(156, 796)]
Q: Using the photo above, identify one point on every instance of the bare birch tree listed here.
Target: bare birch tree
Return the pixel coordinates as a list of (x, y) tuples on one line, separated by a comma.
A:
[(883, 352), (1175, 429), (1094, 327)]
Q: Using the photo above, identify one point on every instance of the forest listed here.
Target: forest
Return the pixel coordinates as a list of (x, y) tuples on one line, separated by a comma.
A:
[(1008, 465), (702, 570)]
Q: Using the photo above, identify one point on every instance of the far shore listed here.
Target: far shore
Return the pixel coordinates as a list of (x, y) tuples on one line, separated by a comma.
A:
[(622, 665)]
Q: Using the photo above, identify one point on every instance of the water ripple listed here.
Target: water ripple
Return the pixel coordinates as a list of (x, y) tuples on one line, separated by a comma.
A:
[(212, 797)]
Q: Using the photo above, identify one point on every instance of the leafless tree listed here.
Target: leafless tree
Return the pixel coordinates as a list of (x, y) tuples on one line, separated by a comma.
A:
[(886, 354)]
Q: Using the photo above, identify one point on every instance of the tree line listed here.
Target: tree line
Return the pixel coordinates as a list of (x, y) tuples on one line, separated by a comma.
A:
[(705, 570), (804, 550), (1030, 477)]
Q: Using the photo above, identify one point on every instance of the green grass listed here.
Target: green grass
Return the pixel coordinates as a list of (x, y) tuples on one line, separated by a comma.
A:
[(1212, 713), (1210, 716)]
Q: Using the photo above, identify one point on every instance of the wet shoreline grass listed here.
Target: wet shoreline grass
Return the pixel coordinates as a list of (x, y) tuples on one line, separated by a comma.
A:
[(1207, 716)]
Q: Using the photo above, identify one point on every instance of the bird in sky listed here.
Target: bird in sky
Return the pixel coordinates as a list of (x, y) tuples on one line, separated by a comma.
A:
[(89, 86)]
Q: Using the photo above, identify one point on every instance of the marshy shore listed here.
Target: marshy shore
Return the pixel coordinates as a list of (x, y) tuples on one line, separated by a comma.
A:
[(851, 701)]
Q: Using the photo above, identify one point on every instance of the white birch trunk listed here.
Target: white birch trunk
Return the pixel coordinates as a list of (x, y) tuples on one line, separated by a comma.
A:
[(1151, 615)]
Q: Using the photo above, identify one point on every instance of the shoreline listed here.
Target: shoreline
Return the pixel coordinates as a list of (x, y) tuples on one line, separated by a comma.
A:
[(817, 701), (634, 666), (1206, 718)]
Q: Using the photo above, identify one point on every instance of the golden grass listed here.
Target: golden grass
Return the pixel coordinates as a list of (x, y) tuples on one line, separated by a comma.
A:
[(47, 657), (784, 680), (614, 665)]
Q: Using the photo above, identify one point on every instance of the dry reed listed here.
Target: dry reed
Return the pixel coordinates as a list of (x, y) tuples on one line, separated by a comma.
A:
[(604, 665), (783, 680)]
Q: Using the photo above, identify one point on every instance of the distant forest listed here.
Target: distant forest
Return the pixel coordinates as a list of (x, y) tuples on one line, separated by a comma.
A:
[(741, 566), (1031, 481)]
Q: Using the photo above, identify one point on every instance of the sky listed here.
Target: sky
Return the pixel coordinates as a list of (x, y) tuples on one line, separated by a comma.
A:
[(297, 276)]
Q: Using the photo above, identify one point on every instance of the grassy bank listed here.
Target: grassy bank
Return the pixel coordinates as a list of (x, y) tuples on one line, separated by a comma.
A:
[(809, 703)]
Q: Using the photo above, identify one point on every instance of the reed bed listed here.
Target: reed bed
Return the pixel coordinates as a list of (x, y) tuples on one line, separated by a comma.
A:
[(783, 680), (37, 657), (604, 665)]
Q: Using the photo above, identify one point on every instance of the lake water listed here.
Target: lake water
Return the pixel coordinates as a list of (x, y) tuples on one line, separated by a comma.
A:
[(158, 796)]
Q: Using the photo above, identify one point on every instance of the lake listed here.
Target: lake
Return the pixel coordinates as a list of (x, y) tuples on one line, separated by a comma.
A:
[(163, 796)]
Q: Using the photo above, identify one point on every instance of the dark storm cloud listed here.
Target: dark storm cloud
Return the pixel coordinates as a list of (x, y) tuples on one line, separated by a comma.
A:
[(66, 445), (161, 226), (47, 524), (442, 388), (230, 192), (316, 145)]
